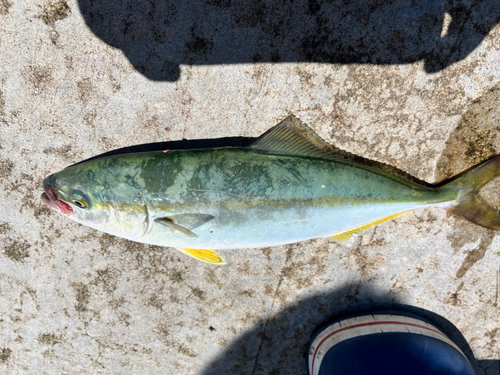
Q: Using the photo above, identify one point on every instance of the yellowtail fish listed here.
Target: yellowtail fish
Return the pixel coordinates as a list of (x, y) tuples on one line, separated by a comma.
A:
[(284, 188)]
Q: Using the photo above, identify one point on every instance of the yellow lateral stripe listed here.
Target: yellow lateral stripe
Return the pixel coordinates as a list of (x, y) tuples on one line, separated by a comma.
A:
[(346, 235), (205, 255)]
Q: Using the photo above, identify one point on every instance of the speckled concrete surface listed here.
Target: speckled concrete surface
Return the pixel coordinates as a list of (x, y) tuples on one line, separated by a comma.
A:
[(73, 300)]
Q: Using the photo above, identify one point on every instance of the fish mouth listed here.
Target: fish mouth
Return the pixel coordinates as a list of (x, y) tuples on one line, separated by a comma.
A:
[(50, 198)]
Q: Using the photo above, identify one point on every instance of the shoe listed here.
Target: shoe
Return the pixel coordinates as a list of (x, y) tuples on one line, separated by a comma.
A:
[(387, 344)]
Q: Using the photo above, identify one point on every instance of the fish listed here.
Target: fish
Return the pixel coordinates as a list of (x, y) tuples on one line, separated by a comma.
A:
[(286, 187)]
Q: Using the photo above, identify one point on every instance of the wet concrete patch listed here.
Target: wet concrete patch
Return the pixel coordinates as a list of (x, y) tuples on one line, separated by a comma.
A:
[(16, 250), (475, 255), (5, 354), (464, 234), (6, 167), (4, 7), (2, 104), (85, 90), (475, 139), (50, 338), (82, 295), (38, 78), (4, 228), (54, 11)]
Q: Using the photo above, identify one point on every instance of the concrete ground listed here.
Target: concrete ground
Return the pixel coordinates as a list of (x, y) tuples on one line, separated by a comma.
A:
[(415, 87)]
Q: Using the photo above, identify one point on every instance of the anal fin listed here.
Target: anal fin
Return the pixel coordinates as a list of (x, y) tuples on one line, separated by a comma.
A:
[(344, 236), (205, 255)]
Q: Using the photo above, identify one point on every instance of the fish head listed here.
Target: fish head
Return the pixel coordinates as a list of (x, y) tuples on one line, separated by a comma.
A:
[(91, 195), (66, 193)]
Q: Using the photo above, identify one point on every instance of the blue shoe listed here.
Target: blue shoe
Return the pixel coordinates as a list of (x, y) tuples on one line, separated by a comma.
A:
[(384, 344)]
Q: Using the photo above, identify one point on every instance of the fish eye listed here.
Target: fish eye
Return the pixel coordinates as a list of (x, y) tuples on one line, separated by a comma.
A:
[(79, 200), (78, 203)]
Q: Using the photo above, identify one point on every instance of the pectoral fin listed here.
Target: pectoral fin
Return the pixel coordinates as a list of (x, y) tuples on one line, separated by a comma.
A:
[(345, 236), (205, 255), (191, 221), (174, 228)]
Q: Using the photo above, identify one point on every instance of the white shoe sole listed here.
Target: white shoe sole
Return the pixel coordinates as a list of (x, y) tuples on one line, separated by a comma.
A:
[(367, 325)]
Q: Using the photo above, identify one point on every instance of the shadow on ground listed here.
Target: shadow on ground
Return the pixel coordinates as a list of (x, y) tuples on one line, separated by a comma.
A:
[(278, 345), (159, 35)]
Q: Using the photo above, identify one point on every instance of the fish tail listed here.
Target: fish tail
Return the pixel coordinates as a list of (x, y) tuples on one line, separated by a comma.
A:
[(467, 203)]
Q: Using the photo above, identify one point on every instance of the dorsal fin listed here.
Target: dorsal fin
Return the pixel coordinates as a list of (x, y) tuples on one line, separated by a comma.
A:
[(292, 137)]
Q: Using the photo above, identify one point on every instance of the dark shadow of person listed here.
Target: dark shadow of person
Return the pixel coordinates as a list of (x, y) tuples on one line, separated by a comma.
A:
[(278, 345), (159, 35)]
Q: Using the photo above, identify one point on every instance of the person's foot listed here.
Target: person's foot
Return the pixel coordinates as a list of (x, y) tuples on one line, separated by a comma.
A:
[(384, 344)]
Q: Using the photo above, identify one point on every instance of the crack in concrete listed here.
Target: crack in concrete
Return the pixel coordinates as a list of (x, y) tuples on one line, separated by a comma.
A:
[(265, 326)]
